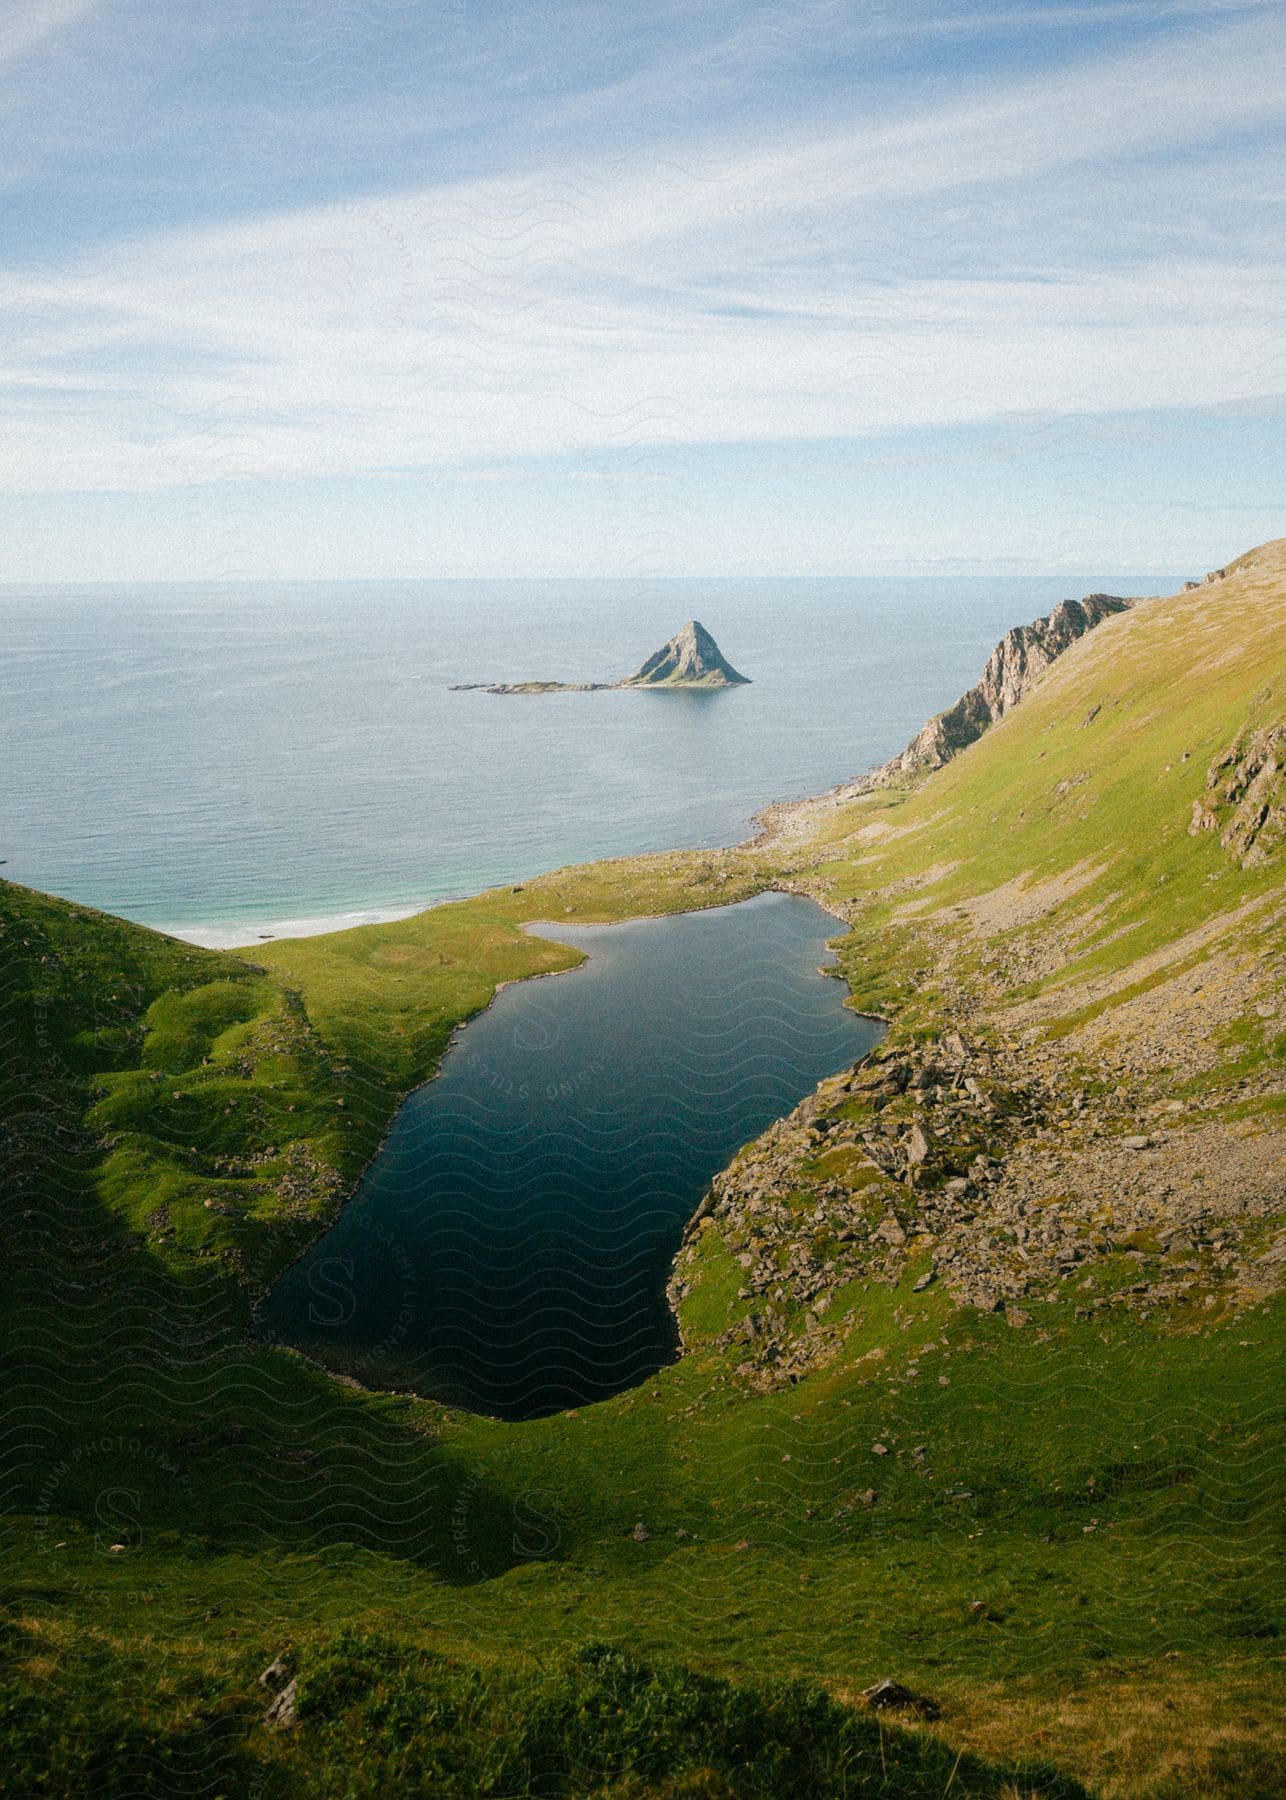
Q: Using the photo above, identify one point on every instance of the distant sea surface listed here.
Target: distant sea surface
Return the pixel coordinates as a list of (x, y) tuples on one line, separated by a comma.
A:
[(227, 759)]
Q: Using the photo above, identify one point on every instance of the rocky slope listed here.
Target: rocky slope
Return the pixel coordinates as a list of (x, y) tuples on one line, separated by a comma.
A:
[(1013, 668), (974, 1166), (1082, 961)]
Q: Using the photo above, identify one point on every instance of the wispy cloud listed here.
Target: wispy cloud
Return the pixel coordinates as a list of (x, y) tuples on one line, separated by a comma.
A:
[(798, 284), (972, 23), (25, 24)]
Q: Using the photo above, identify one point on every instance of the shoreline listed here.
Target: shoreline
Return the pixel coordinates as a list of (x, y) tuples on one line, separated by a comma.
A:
[(768, 823), (245, 934), (533, 927)]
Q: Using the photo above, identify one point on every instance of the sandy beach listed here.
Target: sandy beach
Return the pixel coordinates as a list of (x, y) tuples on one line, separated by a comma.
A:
[(242, 933)]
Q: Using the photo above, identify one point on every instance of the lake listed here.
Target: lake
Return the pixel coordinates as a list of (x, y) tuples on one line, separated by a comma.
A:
[(508, 1249)]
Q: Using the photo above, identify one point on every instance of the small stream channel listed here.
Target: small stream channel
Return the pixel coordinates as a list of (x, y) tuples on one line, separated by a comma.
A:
[(508, 1249)]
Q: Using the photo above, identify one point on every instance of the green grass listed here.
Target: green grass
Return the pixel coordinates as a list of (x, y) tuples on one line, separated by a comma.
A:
[(1167, 704), (1070, 1543), (596, 1720)]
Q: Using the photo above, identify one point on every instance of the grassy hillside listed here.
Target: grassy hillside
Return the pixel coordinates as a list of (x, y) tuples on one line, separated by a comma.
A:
[(1037, 1486)]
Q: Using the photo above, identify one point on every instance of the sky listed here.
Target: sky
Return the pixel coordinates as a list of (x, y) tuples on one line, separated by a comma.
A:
[(415, 288)]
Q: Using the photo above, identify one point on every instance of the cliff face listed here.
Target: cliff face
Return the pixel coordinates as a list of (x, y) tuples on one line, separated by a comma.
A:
[(690, 659), (1017, 661)]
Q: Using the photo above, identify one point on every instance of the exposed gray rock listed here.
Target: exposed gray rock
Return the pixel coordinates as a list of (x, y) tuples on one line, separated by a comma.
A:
[(1013, 668), (281, 1713), (917, 1145), (891, 1696), (1052, 1188), (691, 658), (1245, 797)]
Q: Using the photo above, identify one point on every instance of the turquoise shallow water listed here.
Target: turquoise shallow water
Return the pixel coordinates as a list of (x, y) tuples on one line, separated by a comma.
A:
[(194, 754), (508, 1248)]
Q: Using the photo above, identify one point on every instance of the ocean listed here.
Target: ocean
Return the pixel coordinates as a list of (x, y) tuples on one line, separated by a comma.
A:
[(227, 759)]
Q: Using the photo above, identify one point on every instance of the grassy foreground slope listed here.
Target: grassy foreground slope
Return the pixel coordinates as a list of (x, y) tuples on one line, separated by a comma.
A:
[(1001, 1429)]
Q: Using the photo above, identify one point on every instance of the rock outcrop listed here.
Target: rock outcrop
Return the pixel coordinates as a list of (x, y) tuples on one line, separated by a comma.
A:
[(691, 658), (1245, 797), (1013, 667), (971, 1166)]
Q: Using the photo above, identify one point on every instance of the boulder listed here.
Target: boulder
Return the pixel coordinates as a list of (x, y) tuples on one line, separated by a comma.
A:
[(891, 1696)]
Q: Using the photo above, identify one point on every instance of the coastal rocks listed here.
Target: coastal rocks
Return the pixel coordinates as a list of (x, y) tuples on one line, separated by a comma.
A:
[(1013, 668), (532, 687)]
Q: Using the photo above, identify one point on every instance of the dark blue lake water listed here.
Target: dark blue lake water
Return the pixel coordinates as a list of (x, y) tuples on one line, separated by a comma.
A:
[(247, 755), (508, 1249)]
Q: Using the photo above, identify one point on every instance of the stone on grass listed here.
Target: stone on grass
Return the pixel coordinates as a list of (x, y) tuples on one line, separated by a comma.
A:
[(281, 1713), (891, 1695)]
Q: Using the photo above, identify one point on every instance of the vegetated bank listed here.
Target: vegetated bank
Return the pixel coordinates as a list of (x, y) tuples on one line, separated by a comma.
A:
[(982, 1342)]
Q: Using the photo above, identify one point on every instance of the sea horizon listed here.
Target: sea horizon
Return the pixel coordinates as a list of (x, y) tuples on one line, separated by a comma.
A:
[(229, 762)]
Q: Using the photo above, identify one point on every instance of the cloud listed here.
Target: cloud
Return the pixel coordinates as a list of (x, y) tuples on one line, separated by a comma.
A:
[(25, 24), (969, 22), (799, 286)]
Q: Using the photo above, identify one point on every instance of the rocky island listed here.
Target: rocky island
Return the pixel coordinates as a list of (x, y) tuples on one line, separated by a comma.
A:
[(690, 659)]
